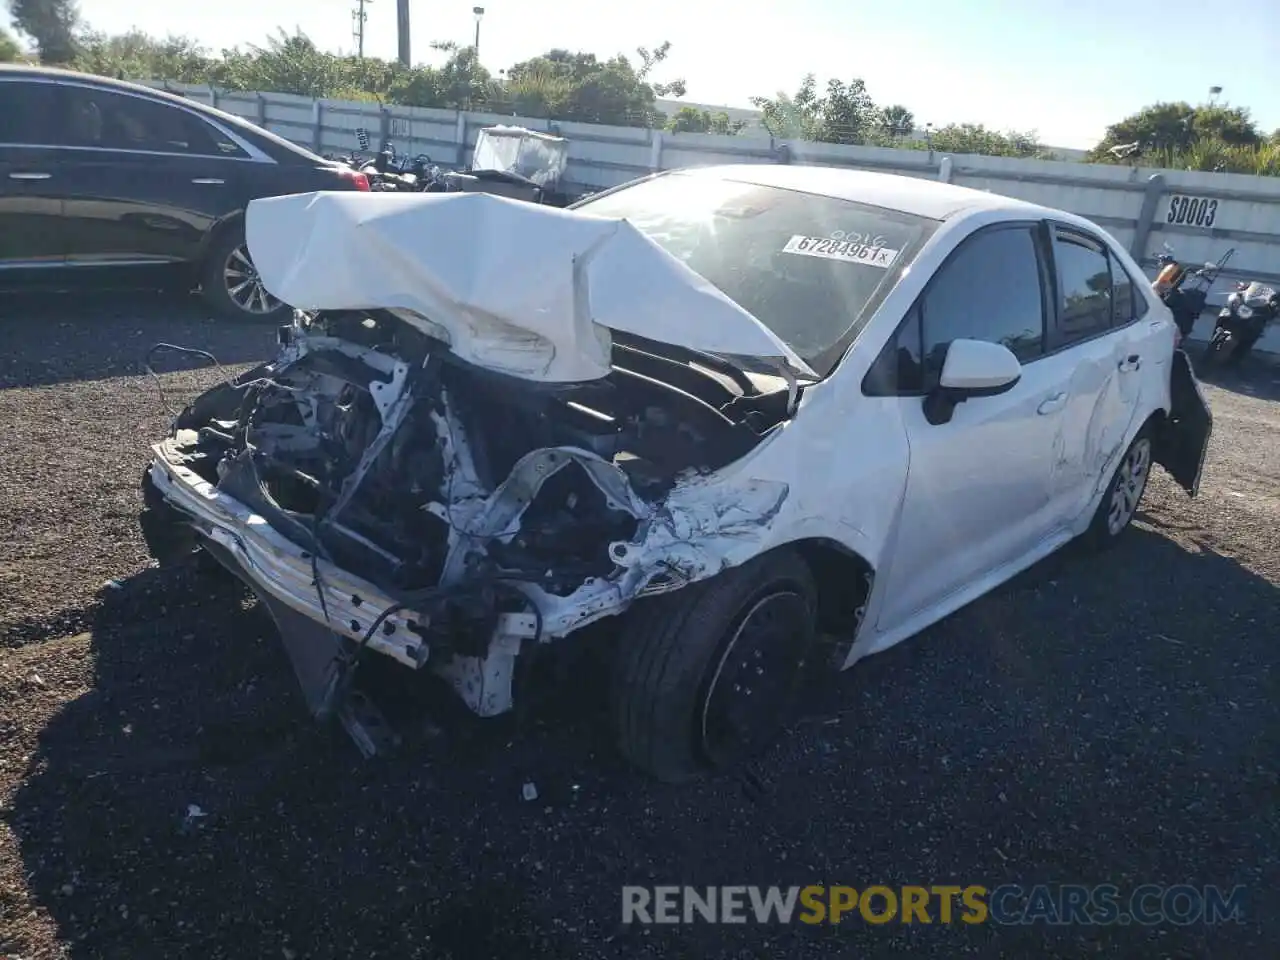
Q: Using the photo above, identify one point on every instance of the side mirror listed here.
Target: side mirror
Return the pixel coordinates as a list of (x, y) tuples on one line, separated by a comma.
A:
[(972, 368)]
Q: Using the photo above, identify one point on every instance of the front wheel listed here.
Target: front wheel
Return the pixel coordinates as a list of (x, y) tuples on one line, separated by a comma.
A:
[(230, 283), (1217, 350), (704, 676)]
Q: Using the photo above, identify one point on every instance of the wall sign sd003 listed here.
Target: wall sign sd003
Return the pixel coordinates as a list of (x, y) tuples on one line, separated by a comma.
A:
[(1189, 211)]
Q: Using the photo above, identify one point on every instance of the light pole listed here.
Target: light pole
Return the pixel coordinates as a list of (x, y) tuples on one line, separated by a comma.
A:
[(479, 14)]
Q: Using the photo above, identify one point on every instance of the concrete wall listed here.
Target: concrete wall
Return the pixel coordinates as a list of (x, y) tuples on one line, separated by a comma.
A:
[(1140, 207)]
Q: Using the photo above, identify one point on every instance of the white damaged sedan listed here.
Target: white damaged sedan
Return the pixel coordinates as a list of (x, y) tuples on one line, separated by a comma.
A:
[(738, 409)]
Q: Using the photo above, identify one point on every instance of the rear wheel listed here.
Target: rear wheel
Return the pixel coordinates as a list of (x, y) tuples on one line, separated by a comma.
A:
[(230, 283), (1124, 493), (704, 676)]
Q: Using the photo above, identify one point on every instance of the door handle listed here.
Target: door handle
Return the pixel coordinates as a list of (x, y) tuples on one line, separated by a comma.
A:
[(203, 180), (1131, 362), (1052, 405), (22, 175)]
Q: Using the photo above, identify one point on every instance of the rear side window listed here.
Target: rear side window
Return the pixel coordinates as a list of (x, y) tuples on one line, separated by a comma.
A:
[(27, 111), (117, 121), (1085, 297), (1127, 302)]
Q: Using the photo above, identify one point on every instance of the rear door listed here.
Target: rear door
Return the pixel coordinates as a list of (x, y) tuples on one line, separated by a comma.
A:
[(143, 180), (1094, 324), (31, 233)]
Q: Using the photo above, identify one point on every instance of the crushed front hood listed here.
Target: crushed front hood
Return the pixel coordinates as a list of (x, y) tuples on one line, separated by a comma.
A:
[(524, 289)]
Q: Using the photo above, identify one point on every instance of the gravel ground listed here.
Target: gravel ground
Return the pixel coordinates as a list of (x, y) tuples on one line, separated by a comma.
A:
[(1108, 720)]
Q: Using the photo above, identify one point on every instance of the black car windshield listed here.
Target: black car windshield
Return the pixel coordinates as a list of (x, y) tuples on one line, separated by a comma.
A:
[(811, 268)]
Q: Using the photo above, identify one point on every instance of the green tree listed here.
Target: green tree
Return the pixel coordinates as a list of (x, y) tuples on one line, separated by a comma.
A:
[(897, 121), (9, 49), (1176, 127), (579, 86), (975, 138), (693, 120), (1231, 125), (51, 25), (797, 117), (1161, 126), (846, 114), (137, 55)]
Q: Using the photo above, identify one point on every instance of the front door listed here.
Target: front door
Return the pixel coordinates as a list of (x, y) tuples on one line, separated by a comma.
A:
[(31, 234), (978, 487), (144, 180)]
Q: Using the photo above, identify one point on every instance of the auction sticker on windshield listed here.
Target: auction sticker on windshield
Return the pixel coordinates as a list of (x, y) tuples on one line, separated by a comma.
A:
[(848, 250)]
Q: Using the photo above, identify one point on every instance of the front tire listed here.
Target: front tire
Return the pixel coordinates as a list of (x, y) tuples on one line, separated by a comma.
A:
[(1216, 351), (230, 284), (703, 676), (1120, 503)]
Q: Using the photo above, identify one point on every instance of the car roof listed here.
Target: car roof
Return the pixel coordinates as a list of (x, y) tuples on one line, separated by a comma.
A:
[(109, 83), (912, 195)]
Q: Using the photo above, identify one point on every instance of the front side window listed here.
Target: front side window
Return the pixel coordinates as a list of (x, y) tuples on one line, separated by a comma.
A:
[(810, 268), (1084, 284), (990, 289), (116, 121), (27, 110)]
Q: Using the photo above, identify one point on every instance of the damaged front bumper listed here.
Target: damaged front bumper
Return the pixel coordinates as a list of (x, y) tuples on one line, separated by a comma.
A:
[(289, 578), (324, 612)]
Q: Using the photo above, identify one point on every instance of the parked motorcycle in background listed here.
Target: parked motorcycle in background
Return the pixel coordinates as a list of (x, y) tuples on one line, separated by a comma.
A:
[(389, 172), (1242, 320), (1185, 291)]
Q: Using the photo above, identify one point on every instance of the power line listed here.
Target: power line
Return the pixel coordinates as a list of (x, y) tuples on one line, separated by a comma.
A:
[(358, 20)]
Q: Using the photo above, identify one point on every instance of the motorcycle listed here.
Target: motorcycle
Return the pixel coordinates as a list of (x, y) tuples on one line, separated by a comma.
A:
[(1185, 291), (389, 172), (1242, 320)]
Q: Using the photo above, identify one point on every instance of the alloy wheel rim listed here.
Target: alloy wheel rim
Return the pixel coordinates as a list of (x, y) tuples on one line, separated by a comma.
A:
[(1131, 481), (754, 677), (244, 285)]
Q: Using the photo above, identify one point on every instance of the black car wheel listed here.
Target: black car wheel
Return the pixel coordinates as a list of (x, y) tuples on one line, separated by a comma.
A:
[(231, 284), (704, 676), (1124, 493)]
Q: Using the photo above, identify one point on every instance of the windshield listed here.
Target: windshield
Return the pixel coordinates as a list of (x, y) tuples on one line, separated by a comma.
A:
[(810, 268)]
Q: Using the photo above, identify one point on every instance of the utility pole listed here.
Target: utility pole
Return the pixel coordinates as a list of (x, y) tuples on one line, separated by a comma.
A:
[(402, 31), (358, 19)]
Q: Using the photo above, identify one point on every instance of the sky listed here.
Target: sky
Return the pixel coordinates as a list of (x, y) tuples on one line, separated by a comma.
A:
[(1063, 68)]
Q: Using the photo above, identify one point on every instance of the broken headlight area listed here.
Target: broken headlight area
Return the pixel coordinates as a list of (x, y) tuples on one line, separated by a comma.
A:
[(367, 468)]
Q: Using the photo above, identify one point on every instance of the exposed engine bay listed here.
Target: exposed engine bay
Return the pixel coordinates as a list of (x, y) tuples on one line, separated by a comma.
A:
[(477, 504)]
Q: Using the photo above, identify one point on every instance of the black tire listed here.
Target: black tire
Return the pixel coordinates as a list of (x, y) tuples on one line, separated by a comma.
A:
[(1215, 352), (1124, 493), (678, 652), (220, 283)]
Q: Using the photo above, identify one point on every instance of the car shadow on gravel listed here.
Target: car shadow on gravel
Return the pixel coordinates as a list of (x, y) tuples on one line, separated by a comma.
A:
[(186, 806), (188, 801), (60, 337), (1254, 377)]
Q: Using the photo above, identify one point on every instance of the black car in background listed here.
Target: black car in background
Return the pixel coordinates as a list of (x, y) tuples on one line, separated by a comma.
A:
[(106, 180)]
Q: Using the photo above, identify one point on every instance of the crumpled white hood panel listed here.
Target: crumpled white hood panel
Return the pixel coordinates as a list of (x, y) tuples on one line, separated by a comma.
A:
[(520, 288)]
